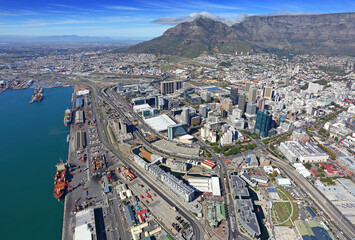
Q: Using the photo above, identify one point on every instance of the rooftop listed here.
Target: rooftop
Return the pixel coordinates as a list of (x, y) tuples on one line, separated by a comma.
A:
[(160, 123)]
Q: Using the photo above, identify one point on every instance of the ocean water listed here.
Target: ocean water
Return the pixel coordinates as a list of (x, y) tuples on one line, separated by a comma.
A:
[(32, 140)]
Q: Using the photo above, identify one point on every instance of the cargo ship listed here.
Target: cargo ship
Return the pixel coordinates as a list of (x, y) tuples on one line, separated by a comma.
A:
[(60, 181), (67, 117), (37, 95)]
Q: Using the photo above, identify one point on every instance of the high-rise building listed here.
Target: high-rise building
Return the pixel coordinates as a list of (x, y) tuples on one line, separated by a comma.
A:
[(234, 95), (268, 92), (251, 109), (260, 103), (185, 115), (203, 110), (247, 86), (237, 113), (227, 105), (252, 94), (167, 87), (263, 123), (241, 102), (206, 95)]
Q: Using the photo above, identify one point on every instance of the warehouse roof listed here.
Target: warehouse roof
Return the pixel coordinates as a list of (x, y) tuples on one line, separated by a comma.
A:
[(160, 123), (216, 190)]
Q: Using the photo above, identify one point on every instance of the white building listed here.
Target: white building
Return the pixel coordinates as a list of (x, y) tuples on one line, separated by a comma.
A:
[(305, 152), (206, 185), (85, 227), (314, 87), (283, 181), (228, 137)]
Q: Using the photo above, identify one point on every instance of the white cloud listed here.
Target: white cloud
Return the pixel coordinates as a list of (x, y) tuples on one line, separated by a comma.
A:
[(191, 17), (229, 21), (124, 8)]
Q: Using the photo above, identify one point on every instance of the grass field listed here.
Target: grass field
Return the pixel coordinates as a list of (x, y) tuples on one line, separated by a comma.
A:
[(283, 210)]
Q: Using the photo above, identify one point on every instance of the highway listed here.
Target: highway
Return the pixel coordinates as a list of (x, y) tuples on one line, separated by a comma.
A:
[(194, 225), (334, 215)]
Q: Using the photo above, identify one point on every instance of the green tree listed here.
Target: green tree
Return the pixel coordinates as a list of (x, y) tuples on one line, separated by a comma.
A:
[(308, 165), (272, 147), (216, 149)]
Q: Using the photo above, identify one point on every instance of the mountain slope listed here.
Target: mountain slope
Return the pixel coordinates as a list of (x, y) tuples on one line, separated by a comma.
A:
[(318, 34), (312, 34), (190, 39)]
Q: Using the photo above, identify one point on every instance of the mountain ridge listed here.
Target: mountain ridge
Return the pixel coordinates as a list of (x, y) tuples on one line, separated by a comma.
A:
[(310, 33)]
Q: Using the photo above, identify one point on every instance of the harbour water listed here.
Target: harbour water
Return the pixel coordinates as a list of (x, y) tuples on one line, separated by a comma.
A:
[(32, 140)]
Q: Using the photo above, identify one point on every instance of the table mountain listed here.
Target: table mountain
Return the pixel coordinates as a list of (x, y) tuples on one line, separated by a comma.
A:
[(313, 34), (190, 39)]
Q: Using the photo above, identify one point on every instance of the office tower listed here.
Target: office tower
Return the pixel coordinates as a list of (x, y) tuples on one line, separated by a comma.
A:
[(251, 109), (203, 110), (206, 95), (227, 105), (185, 115), (247, 86), (241, 102), (261, 103), (263, 123), (268, 92), (167, 87), (234, 95), (252, 94), (237, 113)]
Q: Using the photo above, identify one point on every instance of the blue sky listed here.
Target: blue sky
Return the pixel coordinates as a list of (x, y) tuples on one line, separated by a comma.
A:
[(139, 18)]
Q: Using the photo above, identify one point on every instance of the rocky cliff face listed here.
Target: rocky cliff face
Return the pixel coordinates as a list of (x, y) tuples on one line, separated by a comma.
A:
[(313, 34), (319, 34)]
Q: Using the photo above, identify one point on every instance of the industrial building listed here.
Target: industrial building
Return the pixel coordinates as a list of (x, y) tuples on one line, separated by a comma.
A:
[(283, 181), (347, 164), (85, 227), (209, 164), (79, 117), (305, 152), (302, 170), (79, 102), (206, 185), (80, 140), (130, 215)]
